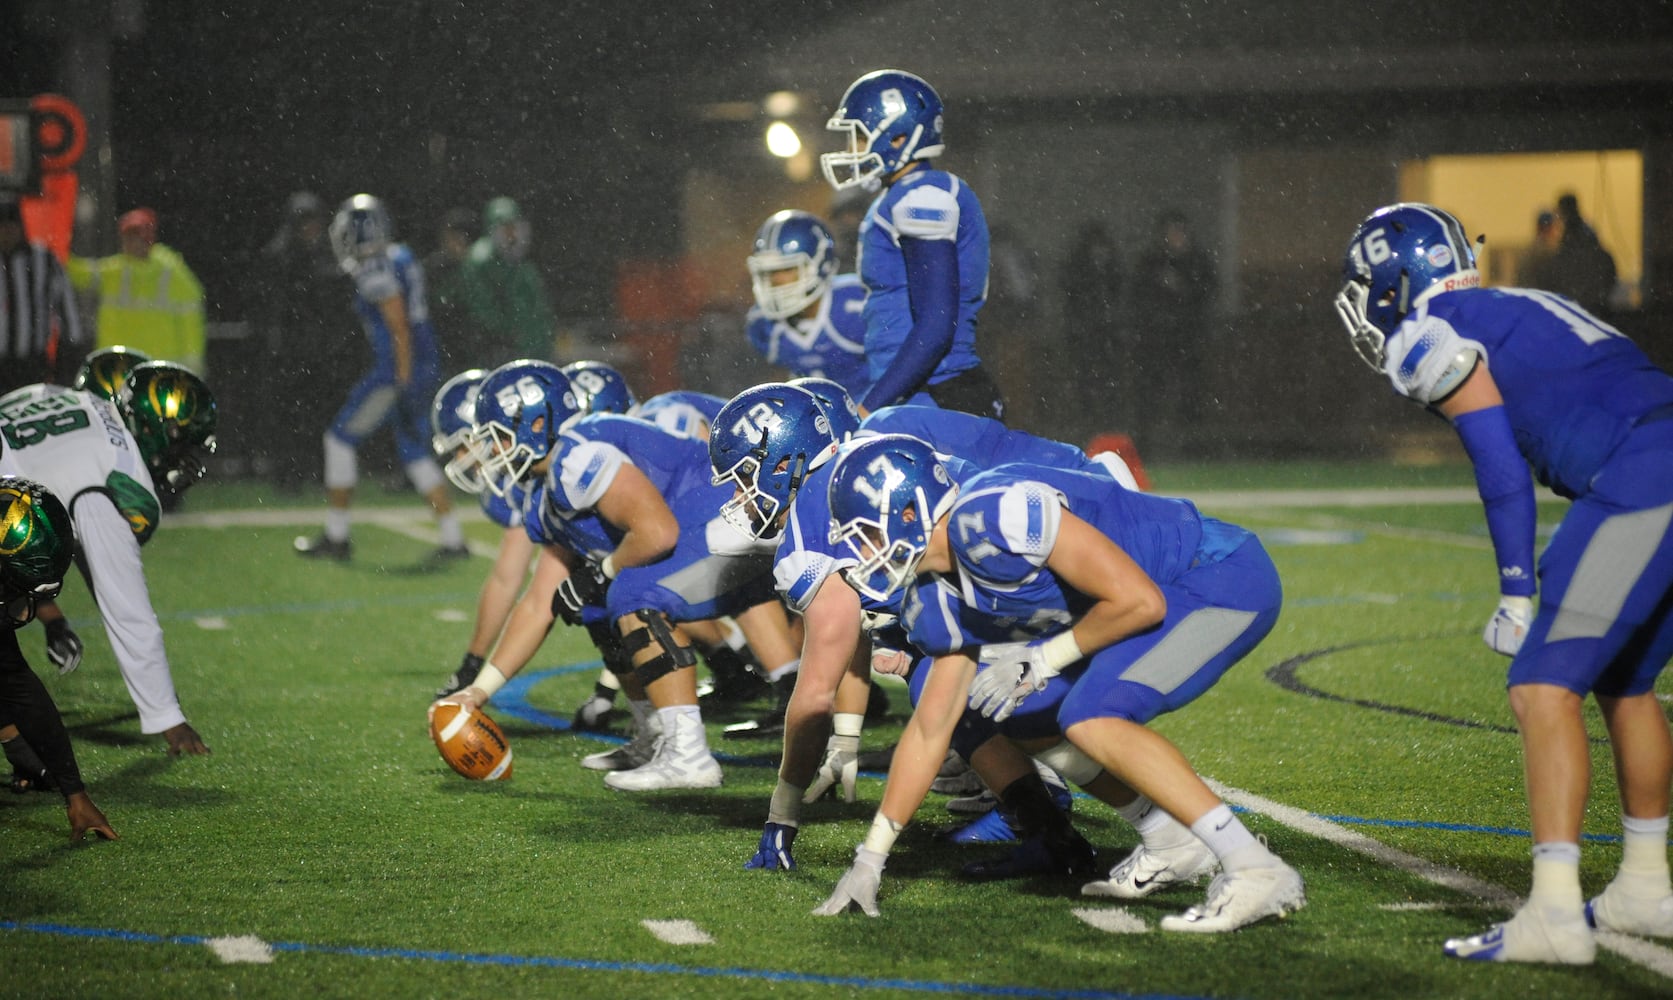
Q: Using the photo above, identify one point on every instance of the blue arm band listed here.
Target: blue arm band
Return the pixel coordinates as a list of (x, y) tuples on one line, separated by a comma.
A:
[(1507, 495), (932, 289)]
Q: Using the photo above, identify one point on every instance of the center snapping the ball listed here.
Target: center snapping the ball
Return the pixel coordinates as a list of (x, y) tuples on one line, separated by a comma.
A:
[(470, 742)]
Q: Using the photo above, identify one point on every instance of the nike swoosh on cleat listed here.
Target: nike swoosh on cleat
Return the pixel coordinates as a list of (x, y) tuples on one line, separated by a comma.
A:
[(1140, 883)]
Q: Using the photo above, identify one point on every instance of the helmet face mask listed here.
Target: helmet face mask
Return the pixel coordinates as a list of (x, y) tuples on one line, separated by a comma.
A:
[(37, 543), (452, 422), (792, 265), (172, 416), (886, 493), (890, 118), (521, 407), (765, 441), (1400, 256), (360, 229)]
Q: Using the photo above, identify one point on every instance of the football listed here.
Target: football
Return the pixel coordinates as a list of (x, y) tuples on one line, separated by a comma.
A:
[(470, 742)]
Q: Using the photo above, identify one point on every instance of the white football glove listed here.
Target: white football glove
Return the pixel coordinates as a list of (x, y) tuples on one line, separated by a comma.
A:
[(1009, 672), (858, 886), (1509, 625), (842, 763)]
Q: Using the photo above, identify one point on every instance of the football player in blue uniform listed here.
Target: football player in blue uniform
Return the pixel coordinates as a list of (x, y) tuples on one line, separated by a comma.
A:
[(1530, 378), (390, 299), (923, 254), (1058, 603), (807, 319), (773, 444), (632, 509), (680, 411)]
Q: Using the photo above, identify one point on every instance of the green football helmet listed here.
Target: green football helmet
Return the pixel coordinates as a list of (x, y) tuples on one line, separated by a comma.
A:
[(104, 371), (36, 546), (171, 413)]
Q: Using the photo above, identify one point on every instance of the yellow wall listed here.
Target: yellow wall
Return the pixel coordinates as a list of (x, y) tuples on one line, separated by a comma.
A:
[(1501, 195)]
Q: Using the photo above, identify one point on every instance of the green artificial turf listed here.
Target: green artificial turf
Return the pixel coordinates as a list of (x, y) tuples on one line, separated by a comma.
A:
[(326, 827)]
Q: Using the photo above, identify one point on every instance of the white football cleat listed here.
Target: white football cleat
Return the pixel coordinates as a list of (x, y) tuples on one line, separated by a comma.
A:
[(1532, 935), (1145, 870), (1616, 910), (636, 752), (682, 760), (1238, 899)]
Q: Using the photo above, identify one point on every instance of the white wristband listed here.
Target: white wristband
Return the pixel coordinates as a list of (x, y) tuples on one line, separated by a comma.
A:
[(608, 567), (489, 680), (1060, 651), (881, 836)]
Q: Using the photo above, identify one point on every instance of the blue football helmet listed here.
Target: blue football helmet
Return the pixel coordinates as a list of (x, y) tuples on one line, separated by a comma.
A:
[(599, 387), (359, 230), (799, 243), (765, 441), (840, 407), (886, 493), (452, 420), (878, 109), (1400, 255), (520, 409)]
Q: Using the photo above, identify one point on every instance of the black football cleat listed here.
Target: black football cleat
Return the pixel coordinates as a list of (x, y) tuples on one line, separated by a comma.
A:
[(321, 547)]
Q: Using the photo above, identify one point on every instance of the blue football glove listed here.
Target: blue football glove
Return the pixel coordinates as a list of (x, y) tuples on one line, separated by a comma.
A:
[(1509, 625), (773, 853), (858, 887), (1009, 673)]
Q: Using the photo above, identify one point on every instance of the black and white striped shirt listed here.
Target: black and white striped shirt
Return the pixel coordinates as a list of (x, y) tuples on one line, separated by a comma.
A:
[(36, 305)]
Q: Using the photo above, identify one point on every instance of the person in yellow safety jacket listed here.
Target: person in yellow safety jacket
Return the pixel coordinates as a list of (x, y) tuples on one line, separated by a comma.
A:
[(149, 299)]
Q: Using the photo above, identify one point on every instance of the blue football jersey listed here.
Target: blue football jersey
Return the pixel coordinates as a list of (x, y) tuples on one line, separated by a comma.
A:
[(925, 205), (394, 273), (1002, 529), (586, 459), (685, 413), (830, 345), (1573, 385), (508, 511), (981, 440)]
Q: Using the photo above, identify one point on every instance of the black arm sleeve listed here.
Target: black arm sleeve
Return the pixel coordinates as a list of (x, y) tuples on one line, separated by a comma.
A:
[(25, 703)]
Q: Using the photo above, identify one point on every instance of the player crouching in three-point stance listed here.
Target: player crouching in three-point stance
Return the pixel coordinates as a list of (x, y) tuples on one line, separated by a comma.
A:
[(1059, 603), (1530, 378)]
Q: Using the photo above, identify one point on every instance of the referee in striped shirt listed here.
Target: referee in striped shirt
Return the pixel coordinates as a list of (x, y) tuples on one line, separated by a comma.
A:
[(40, 332)]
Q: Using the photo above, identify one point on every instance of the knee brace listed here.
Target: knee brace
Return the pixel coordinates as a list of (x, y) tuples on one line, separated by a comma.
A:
[(657, 629), (609, 646), (1067, 759)]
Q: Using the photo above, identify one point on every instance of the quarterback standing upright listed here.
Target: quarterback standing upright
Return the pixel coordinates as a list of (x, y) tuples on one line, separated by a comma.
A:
[(923, 253), (391, 302)]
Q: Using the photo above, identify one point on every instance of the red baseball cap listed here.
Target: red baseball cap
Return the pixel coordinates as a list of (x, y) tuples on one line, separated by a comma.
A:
[(141, 220)]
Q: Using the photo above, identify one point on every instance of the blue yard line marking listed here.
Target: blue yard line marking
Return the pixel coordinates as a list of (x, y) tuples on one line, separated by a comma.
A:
[(599, 965)]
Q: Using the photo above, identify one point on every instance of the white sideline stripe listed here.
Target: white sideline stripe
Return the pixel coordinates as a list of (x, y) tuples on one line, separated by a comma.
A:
[(1116, 920), (247, 948), (1654, 957), (677, 932)]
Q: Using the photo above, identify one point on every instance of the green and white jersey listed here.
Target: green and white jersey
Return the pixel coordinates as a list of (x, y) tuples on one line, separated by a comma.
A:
[(74, 443)]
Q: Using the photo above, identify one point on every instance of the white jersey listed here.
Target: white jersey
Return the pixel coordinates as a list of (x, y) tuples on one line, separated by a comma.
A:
[(74, 442), (76, 445)]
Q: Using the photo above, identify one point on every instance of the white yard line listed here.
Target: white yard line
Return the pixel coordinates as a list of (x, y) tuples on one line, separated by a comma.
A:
[(246, 949), (677, 932), (1651, 956)]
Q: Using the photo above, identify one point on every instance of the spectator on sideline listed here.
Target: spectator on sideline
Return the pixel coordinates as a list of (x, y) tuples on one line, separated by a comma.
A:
[(148, 298), (502, 293)]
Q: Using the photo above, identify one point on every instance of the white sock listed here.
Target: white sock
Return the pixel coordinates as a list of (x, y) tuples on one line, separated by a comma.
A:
[(1644, 856), (778, 673), (452, 536), (1556, 876), (644, 717), (1231, 841), (1155, 827), (337, 524)]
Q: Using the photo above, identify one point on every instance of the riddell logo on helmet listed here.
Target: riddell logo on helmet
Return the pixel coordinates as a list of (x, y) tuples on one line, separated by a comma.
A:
[(1467, 279)]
